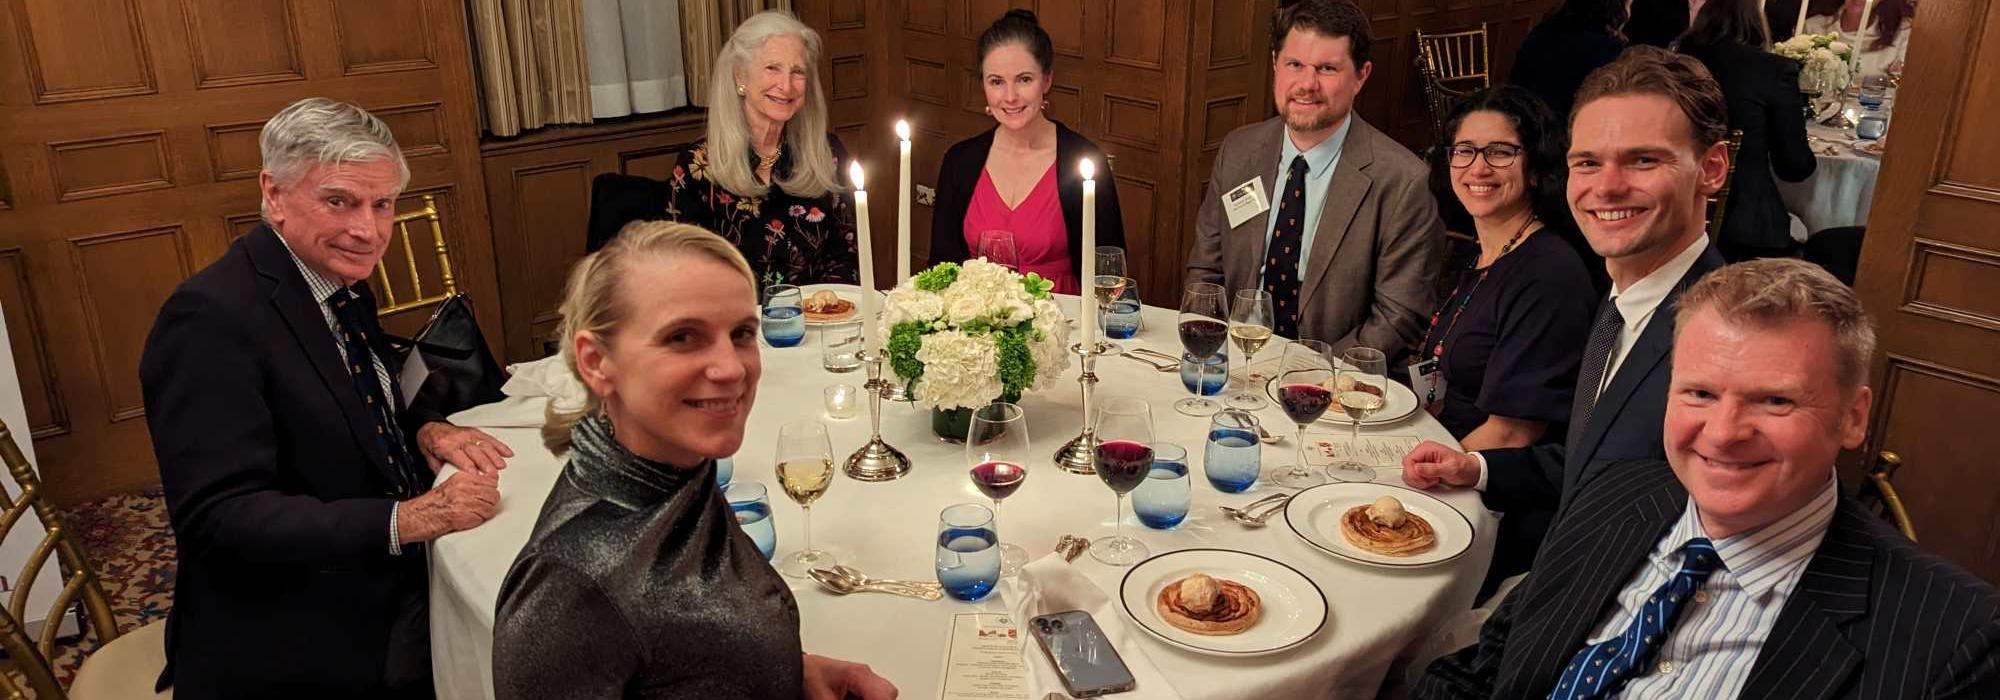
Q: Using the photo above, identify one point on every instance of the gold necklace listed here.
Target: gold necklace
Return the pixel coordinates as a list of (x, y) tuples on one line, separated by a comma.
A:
[(769, 162)]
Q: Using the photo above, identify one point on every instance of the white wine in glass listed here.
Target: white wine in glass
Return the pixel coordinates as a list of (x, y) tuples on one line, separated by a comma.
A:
[(1249, 339), (1250, 323), (805, 470), (1361, 388), (1108, 287), (805, 480), (1360, 401)]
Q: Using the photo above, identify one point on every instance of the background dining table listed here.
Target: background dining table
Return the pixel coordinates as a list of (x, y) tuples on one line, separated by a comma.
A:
[(1377, 616), (1842, 186)]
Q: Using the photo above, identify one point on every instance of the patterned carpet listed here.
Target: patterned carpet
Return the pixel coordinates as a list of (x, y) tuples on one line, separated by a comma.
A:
[(128, 541)]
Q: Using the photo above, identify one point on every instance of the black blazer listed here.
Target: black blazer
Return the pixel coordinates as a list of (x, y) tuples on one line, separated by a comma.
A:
[(1763, 93), (279, 493), (1529, 484), (958, 175), (1872, 615), (1555, 57)]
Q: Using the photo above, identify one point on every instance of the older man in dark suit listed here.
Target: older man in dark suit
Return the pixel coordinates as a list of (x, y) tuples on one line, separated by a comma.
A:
[(1646, 149), (295, 477), (1317, 207), (1736, 568)]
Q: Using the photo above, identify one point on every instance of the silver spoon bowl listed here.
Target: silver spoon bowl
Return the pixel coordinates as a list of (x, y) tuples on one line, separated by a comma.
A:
[(844, 580)]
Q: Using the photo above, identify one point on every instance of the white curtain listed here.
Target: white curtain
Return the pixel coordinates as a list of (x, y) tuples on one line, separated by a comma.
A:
[(634, 50)]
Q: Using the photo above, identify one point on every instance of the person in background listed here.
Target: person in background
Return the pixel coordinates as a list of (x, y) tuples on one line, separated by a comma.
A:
[(1021, 175), (767, 175), (1316, 206), (299, 483), (1646, 150), (1735, 568), (1887, 40), (1658, 22), (1507, 339), (1729, 37), (637, 581), (1580, 36)]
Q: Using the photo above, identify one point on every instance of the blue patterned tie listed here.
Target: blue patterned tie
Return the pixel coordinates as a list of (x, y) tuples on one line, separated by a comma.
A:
[(1282, 271), (1600, 669), (355, 337)]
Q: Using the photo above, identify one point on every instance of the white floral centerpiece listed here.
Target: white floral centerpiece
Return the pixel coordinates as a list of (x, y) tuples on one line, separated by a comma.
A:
[(965, 335), (1823, 59)]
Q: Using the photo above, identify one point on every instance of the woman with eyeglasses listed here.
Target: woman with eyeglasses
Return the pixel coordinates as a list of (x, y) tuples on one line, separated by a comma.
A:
[(1499, 363)]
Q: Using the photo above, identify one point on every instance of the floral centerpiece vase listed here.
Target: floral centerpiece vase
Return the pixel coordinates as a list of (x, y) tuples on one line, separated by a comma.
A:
[(966, 335)]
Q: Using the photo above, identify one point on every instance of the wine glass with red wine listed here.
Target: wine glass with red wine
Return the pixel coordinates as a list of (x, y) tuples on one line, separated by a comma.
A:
[(996, 450), (1361, 390), (1203, 331), (1304, 391), (1124, 458)]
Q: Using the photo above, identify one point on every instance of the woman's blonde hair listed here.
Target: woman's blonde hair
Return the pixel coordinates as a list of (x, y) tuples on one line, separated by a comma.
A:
[(813, 172), (590, 298)]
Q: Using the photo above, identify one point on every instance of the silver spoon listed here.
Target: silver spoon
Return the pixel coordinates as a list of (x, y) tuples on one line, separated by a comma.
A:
[(866, 580), (1266, 437), (844, 585), (1253, 505), (1247, 519)]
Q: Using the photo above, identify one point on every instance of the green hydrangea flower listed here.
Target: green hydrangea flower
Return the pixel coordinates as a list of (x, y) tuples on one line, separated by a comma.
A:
[(1037, 286), (937, 278)]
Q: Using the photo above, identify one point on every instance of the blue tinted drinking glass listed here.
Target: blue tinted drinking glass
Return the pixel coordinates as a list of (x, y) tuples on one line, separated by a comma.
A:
[(1121, 321), (1874, 91), (1162, 499), (1873, 125), (725, 469), (751, 504), (1213, 373), (968, 551), (784, 316), (1233, 456)]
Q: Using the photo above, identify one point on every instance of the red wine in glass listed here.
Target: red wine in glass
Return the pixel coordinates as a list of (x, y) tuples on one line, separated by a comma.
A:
[(1203, 337), (1304, 403), (998, 480), (1123, 464)]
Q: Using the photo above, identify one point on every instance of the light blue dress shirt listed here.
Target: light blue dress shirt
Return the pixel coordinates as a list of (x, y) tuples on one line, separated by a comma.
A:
[(1320, 162)]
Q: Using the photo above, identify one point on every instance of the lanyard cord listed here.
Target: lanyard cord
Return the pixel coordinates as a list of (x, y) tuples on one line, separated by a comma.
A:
[(1437, 347)]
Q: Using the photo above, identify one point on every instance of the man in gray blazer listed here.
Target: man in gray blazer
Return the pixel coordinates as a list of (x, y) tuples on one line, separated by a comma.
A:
[(1316, 206)]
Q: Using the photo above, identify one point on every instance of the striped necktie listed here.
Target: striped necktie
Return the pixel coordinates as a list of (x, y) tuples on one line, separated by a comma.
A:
[(1601, 669)]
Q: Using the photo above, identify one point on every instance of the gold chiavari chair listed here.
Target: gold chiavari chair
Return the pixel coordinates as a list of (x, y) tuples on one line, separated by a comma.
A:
[(1718, 203), (1880, 496), (119, 667), (391, 303), (1452, 64)]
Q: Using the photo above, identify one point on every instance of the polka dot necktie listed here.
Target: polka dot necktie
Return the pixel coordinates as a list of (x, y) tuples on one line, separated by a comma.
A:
[(1601, 669), (1281, 257), (361, 369)]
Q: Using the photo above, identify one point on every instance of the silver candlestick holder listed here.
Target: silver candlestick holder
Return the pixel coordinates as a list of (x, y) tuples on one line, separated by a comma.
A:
[(1079, 455), (877, 460)]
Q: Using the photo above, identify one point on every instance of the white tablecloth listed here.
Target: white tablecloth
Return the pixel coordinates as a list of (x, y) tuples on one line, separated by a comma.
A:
[(889, 529), (1841, 189)]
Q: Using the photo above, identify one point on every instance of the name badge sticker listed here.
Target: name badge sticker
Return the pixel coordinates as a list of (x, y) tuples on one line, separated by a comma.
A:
[(1245, 201)]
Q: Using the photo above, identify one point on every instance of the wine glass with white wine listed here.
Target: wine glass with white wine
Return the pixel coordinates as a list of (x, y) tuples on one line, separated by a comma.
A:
[(1250, 329), (1360, 389), (805, 470), (1111, 276)]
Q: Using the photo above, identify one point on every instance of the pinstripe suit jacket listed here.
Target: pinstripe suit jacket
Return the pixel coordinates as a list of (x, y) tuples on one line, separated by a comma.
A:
[(1872, 616)]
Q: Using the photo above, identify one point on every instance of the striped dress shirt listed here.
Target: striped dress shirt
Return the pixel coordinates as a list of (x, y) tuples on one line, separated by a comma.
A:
[(1712, 650)]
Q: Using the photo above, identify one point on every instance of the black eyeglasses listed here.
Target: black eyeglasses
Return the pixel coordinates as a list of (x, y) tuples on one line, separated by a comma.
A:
[(1498, 155)]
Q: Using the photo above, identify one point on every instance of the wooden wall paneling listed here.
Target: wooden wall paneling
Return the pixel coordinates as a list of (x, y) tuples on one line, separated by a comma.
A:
[(385, 36), (243, 43), (76, 50), (28, 340)]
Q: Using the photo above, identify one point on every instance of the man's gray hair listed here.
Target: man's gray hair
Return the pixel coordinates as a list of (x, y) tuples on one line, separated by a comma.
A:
[(319, 131), (1775, 291)]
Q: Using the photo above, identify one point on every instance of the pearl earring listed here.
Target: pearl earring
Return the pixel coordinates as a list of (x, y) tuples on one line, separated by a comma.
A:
[(740, 91)]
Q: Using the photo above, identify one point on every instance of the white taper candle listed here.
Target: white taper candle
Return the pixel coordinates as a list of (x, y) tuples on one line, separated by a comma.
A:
[(1087, 308), (903, 204), (869, 334)]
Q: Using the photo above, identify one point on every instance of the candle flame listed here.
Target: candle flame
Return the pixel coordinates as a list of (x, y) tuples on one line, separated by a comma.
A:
[(902, 129), (854, 173), (1088, 169)]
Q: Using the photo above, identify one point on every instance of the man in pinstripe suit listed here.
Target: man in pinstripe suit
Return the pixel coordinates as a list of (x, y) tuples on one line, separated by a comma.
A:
[(1736, 568)]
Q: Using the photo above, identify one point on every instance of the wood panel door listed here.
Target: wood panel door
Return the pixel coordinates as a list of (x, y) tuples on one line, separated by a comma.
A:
[(129, 160), (1930, 273)]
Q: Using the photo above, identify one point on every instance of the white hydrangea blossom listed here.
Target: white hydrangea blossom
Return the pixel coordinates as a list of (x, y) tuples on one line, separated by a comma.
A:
[(1051, 353), (1823, 61), (960, 370), (909, 304)]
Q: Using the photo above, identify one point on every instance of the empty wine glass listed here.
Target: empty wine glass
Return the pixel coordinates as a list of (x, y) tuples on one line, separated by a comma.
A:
[(1250, 328), (997, 453), (1202, 333), (1304, 374), (998, 248), (805, 470), (1124, 458), (1361, 387)]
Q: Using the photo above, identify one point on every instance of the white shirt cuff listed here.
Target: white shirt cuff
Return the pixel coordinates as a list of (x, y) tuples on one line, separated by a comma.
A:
[(396, 536), (1481, 485)]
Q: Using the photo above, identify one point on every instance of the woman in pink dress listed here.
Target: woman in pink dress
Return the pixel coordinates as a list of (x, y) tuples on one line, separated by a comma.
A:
[(1021, 176)]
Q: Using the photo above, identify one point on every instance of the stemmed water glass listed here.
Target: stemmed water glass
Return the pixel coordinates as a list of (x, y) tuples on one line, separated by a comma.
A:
[(998, 248), (1110, 280), (1202, 333), (1124, 458), (1361, 388), (1250, 329), (805, 470), (997, 453), (1304, 375)]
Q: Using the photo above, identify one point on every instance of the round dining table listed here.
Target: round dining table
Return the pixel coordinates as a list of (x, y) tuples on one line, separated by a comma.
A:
[(1842, 187), (1376, 616)]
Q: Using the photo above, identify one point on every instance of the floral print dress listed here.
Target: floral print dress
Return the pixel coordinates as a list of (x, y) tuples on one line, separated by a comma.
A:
[(788, 239)]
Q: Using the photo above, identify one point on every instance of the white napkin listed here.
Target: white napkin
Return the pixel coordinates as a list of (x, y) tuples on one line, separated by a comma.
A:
[(548, 376), (1050, 585)]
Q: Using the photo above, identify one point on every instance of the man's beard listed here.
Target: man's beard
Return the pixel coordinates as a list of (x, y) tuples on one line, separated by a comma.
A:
[(1309, 119)]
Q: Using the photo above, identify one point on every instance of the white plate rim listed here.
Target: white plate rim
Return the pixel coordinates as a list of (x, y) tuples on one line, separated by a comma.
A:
[(1329, 417), (1325, 607), (1291, 522)]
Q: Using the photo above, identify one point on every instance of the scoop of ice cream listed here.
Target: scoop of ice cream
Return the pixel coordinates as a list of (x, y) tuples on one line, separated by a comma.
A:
[(1387, 512), (1199, 593)]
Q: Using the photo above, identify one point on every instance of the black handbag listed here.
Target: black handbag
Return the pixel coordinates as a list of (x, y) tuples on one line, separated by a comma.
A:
[(462, 371)]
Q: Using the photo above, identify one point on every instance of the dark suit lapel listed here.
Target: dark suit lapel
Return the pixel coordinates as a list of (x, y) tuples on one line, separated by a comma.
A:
[(294, 302), (1584, 572), (1247, 240), (1806, 654), (1345, 193)]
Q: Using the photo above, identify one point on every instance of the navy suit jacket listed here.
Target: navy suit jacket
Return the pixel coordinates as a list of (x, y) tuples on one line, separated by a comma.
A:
[(279, 491), (1872, 615)]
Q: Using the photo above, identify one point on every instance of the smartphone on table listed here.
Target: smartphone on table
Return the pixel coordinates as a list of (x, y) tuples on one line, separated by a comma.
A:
[(1081, 654)]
